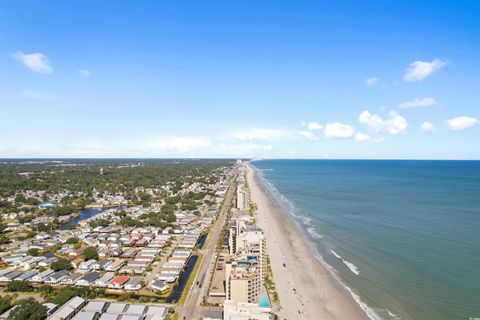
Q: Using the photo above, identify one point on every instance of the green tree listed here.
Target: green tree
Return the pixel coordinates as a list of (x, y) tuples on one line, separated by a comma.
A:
[(171, 218), (19, 286), (33, 252), (20, 198), (28, 309), (64, 294), (5, 303), (61, 264), (72, 240), (90, 253), (3, 239), (45, 289)]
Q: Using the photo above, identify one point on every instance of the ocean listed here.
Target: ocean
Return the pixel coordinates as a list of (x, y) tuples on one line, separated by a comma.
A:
[(403, 236)]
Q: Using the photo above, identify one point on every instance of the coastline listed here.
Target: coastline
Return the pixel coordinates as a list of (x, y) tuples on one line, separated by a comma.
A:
[(317, 294)]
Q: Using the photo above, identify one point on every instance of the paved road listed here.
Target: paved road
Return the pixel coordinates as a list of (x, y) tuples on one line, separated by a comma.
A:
[(192, 308)]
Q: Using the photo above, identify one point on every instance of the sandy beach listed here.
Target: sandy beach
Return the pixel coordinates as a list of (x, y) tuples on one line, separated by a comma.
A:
[(318, 295)]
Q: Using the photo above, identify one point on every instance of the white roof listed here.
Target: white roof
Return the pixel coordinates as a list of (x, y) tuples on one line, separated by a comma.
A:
[(86, 315), (95, 306), (109, 316), (135, 309), (62, 313), (156, 310), (116, 307)]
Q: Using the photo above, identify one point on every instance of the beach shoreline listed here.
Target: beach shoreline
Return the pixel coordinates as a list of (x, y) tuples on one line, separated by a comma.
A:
[(306, 288)]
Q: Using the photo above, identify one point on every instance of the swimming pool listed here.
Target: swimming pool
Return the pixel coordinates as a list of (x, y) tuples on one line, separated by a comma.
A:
[(264, 301)]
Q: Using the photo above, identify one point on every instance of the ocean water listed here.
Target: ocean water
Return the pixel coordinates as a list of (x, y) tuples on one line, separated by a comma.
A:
[(403, 236)]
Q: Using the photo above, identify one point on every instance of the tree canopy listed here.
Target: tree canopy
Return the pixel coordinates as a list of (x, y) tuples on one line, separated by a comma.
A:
[(28, 309), (90, 253), (61, 264)]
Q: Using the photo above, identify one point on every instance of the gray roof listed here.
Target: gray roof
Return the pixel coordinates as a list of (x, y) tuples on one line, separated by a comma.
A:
[(156, 310), (12, 275), (134, 281), (109, 316), (75, 302), (214, 314), (131, 317), (27, 275), (98, 306), (135, 309), (90, 277), (64, 312), (59, 274), (116, 307), (86, 315), (45, 273)]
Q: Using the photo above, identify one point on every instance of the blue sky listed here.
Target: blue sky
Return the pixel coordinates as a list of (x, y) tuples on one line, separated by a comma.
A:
[(275, 79)]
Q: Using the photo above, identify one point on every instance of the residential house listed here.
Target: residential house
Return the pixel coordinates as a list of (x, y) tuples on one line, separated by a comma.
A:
[(72, 279), (57, 277), (88, 279), (10, 276), (27, 275), (40, 276), (134, 284), (104, 280), (119, 282)]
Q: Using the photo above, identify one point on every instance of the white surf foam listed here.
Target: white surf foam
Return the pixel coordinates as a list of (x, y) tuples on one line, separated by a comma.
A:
[(335, 254), (306, 220), (392, 315), (290, 210), (314, 233), (350, 265)]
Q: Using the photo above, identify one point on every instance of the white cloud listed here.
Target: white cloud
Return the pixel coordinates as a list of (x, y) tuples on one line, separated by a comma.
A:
[(371, 81), (427, 126), (307, 134), (338, 130), (39, 95), (264, 134), (419, 70), (418, 102), (37, 62), (461, 123), (314, 126), (179, 144), (395, 124), (374, 122), (85, 72), (362, 137), (272, 134)]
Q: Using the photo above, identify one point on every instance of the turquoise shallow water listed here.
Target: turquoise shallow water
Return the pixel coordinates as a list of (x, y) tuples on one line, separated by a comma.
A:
[(403, 235), (264, 301)]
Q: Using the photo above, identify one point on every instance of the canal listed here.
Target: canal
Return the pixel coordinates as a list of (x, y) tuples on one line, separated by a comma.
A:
[(85, 214), (178, 290), (201, 241)]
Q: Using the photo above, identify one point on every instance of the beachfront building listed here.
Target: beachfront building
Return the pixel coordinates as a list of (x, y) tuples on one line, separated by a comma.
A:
[(242, 198), (247, 240), (245, 311), (243, 280), (246, 268)]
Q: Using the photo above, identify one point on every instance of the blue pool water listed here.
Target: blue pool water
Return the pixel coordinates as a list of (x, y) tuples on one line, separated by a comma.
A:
[(264, 302)]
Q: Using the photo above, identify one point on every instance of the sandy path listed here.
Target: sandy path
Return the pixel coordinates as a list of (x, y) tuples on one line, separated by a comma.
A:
[(318, 295)]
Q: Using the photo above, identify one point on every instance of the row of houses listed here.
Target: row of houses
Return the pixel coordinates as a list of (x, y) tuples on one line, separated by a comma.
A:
[(175, 264), (64, 277), (79, 309)]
